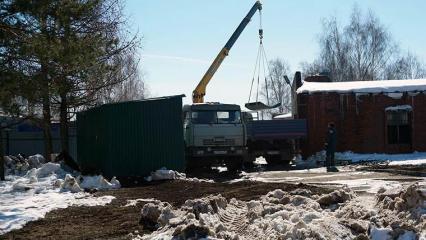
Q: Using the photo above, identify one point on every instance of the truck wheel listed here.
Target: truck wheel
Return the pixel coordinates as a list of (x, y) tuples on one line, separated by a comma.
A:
[(273, 159), (234, 164), (249, 161), (248, 165), (191, 165)]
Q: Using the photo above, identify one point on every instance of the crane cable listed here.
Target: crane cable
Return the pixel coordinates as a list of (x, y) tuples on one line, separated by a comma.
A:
[(261, 61)]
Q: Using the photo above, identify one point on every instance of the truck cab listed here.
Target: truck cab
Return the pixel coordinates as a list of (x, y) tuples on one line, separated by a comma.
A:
[(214, 133)]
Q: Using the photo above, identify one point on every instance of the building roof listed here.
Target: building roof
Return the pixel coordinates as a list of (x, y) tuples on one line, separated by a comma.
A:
[(379, 86)]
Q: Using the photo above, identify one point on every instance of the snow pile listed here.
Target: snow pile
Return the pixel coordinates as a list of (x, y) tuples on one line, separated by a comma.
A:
[(36, 161), (416, 158), (165, 174), (277, 215), (134, 202), (318, 159), (98, 182), (82, 183), (385, 86), (338, 196), (371, 186), (29, 193), (291, 215), (402, 212), (18, 165)]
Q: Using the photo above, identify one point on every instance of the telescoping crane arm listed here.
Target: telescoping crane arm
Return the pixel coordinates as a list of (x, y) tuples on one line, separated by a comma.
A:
[(200, 90)]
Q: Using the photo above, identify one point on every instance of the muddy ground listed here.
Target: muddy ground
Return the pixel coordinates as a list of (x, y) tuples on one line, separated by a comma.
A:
[(114, 221)]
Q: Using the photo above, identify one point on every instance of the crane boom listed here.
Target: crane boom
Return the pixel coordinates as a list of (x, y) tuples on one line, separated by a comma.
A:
[(200, 91)]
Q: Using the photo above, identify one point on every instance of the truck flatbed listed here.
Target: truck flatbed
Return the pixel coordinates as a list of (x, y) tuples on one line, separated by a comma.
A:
[(275, 140), (276, 129)]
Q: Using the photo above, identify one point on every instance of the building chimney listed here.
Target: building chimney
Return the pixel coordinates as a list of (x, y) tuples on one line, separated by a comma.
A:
[(297, 83), (297, 80)]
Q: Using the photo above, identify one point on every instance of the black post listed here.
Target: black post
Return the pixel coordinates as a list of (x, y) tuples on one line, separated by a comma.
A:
[(1, 157)]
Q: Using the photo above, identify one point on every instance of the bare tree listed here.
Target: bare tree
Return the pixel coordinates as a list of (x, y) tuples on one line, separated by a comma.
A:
[(334, 51), (369, 44), (132, 87), (359, 51), (406, 67), (276, 89), (309, 69)]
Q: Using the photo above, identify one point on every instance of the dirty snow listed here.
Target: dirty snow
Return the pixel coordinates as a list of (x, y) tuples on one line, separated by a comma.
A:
[(367, 185), (396, 214), (134, 202), (29, 193), (99, 182), (260, 161), (408, 158), (385, 86), (409, 162), (166, 174), (415, 158)]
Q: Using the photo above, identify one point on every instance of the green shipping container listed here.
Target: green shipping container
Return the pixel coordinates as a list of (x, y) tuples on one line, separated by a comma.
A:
[(131, 138)]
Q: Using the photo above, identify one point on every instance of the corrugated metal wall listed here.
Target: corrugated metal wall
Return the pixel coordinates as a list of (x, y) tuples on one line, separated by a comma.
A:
[(132, 138)]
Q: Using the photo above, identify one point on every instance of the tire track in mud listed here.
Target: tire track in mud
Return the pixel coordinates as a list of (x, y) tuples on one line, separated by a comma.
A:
[(234, 217)]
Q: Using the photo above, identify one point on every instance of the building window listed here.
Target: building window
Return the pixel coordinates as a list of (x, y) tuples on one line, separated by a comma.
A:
[(398, 127)]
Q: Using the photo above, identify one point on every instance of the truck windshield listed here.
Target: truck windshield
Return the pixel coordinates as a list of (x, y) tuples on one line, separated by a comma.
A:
[(215, 117)]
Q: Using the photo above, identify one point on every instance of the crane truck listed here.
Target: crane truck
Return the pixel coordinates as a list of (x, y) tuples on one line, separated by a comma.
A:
[(221, 133), (215, 132)]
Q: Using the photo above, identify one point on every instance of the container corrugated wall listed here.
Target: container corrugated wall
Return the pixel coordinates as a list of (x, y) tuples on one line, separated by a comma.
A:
[(131, 138)]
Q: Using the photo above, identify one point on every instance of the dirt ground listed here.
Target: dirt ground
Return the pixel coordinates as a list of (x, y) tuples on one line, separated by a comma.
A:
[(114, 221)]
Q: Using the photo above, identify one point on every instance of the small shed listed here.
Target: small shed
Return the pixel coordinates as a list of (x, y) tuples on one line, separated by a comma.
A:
[(130, 139), (386, 116)]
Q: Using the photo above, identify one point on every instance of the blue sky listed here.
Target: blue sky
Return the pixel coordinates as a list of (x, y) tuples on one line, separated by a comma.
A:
[(181, 38)]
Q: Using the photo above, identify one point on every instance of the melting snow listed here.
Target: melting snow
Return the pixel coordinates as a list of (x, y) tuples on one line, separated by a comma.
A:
[(295, 215), (165, 174), (28, 196), (134, 202), (415, 158), (368, 185)]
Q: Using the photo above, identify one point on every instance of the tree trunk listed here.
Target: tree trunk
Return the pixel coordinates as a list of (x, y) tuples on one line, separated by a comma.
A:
[(47, 129), (45, 95), (1, 157), (47, 116), (64, 123)]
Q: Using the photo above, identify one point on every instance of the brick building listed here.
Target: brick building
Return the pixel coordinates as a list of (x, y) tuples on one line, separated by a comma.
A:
[(370, 116)]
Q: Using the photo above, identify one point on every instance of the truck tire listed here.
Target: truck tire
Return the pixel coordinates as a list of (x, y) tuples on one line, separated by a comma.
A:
[(234, 164), (248, 165), (273, 159), (249, 161), (192, 165)]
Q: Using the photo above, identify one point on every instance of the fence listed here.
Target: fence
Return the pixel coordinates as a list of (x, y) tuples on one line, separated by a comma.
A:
[(30, 141)]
